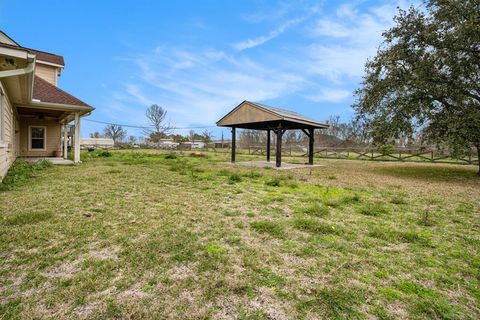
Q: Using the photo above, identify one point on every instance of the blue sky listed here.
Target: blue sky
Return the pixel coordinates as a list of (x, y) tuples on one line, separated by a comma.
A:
[(199, 59)]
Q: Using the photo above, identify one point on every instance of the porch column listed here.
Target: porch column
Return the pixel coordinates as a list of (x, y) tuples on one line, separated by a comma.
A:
[(76, 149), (279, 148), (234, 138), (311, 141), (65, 141), (268, 145)]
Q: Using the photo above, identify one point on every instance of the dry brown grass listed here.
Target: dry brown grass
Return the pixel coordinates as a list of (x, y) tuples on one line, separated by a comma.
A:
[(138, 235)]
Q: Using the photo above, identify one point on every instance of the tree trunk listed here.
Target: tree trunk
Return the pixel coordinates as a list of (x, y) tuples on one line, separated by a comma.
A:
[(478, 158)]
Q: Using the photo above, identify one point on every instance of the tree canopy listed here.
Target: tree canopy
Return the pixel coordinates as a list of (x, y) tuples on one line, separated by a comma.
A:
[(156, 116), (426, 77), (115, 132)]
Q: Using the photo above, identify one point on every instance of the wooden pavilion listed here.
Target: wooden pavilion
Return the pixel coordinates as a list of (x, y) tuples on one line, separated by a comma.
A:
[(256, 116)]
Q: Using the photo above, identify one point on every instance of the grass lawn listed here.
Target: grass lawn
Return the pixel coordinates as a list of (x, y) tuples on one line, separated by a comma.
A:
[(148, 235)]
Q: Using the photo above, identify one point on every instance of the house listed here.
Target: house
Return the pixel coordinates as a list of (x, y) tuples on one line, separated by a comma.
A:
[(195, 144), (221, 143), (94, 143), (33, 110)]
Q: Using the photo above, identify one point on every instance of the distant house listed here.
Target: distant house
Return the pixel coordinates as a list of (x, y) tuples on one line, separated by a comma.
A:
[(221, 143), (94, 143), (194, 145), (33, 110)]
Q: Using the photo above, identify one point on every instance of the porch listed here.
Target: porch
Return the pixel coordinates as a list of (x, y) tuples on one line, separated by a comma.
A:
[(45, 133)]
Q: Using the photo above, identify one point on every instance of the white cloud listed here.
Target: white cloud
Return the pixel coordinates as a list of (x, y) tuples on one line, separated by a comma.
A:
[(135, 92), (255, 42), (330, 95), (331, 29), (215, 82), (198, 85), (343, 42)]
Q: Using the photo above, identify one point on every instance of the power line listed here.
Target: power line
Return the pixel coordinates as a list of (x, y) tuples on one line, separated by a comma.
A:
[(148, 127)]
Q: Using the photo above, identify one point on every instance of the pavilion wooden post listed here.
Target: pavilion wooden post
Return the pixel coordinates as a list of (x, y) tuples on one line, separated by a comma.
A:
[(234, 138), (278, 154), (268, 145), (311, 142)]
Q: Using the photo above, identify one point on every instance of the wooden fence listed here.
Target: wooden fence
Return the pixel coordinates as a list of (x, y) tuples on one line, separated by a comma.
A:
[(432, 155), (371, 154)]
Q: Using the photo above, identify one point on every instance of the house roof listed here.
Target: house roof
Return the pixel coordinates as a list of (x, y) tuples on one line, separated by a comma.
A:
[(254, 115), (48, 57), (287, 114), (8, 42), (48, 93)]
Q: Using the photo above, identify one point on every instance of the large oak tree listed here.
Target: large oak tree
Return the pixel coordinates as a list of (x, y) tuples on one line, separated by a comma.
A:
[(426, 76)]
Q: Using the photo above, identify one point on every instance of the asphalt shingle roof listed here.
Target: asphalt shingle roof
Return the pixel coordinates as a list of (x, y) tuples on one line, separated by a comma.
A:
[(47, 92)]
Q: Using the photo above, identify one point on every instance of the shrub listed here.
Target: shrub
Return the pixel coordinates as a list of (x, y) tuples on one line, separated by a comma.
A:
[(386, 149), (104, 154)]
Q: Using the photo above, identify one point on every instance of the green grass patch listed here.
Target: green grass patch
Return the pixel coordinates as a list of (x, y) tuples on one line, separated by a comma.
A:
[(234, 178), (314, 225), (27, 218), (272, 228), (21, 172), (316, 209), (373, 209)]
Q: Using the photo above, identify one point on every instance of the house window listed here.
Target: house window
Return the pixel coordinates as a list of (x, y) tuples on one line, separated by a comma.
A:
[(38, 138)]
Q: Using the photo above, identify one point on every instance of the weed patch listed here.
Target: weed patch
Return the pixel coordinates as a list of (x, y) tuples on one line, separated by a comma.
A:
[(333, 303), (314, 226), (316, 209), (234, 178), (272, 228), (171, 156), (21, 172), (373, 209), (28, 218)]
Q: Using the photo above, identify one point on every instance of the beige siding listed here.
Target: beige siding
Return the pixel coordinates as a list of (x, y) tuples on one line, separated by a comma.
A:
[(7, 134), (46, 72), (53, 137)]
